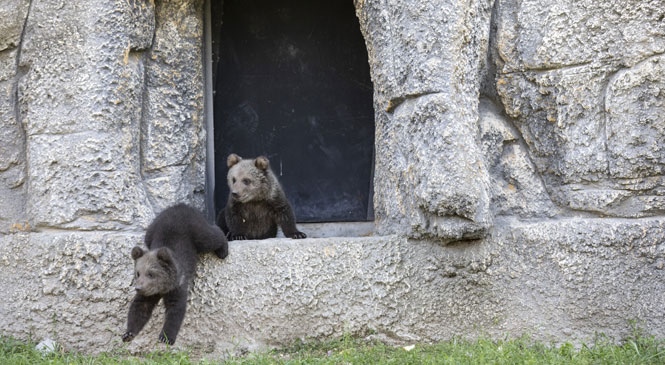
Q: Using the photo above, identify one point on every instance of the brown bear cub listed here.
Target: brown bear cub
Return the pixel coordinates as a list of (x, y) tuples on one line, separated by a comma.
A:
[(257, 204), (174, 240)]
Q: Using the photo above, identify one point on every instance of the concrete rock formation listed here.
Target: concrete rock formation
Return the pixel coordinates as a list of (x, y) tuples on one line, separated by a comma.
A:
[(519, 176), (583, 83)]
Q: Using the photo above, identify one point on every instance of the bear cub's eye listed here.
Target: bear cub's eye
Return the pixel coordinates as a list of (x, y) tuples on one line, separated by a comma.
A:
[(246, 181), (233, 180), (138, 274)]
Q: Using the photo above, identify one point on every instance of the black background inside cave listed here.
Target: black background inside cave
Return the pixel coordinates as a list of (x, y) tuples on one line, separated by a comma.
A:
[(291, 81)]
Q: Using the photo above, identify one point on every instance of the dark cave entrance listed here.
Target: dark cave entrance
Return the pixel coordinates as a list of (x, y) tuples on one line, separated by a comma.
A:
[(291, 81)]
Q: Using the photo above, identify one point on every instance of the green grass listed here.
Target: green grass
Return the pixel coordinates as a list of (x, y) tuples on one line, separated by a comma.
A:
[(634, 350)]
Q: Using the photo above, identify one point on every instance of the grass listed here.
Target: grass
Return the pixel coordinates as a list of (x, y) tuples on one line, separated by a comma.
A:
[(348, 350)]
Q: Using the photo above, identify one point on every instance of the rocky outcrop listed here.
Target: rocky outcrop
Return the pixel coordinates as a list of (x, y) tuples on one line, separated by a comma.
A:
[(103, 114), (583, 84), (431, 180)]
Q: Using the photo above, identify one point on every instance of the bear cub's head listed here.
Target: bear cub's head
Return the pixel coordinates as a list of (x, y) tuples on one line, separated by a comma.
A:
[(155, 271), (248, 179)]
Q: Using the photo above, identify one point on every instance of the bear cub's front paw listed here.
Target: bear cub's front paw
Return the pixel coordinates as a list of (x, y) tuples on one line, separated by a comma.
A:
[(298, 235), (222, 252), (128, 336)]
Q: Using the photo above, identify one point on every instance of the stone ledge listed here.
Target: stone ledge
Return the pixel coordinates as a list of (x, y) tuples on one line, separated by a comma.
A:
[(557, 280)]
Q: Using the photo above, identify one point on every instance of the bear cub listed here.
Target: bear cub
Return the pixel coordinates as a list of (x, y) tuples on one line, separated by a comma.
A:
[(257, 204), (164, 271)]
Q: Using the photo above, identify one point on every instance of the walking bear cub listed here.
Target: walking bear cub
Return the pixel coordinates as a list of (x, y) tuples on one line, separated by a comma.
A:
[(257, 204), (174, 240)]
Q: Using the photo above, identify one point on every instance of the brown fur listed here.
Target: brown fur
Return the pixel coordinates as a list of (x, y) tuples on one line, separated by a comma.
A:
[(257, 204), (165, 270), (156, 272)]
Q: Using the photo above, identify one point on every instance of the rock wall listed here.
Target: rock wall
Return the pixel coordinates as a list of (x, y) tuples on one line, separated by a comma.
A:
[(102, 114), (518, 182), (431, 179), (12, 137), (583, 83)]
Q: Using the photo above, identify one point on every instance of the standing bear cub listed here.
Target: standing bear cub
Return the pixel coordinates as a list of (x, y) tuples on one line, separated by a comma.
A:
[(257, 204), (174, 240)]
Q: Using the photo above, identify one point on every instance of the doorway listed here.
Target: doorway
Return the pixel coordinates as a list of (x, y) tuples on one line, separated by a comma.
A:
[(291, 81)]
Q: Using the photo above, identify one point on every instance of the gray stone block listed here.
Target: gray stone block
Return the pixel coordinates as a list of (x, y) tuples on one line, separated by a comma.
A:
[(635, 107), (430, 178), (568, 75), (560, 279), (13, 14), (12, 139)]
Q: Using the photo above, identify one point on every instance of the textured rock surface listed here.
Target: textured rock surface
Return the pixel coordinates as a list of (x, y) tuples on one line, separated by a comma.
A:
[(431, 180), (109, 96), (12, 140), (565, 279), (516, 187), (583, 82), (505, 130), (173, 135)]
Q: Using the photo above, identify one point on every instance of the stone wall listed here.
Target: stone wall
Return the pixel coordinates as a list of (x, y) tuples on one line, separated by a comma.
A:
[(583, 84), (102, 113), (518, 184)]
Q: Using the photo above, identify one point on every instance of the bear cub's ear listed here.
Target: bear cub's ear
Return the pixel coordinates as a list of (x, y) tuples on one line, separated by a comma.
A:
[(262, 162), (137, 252), (164, 255), (232, 160)]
